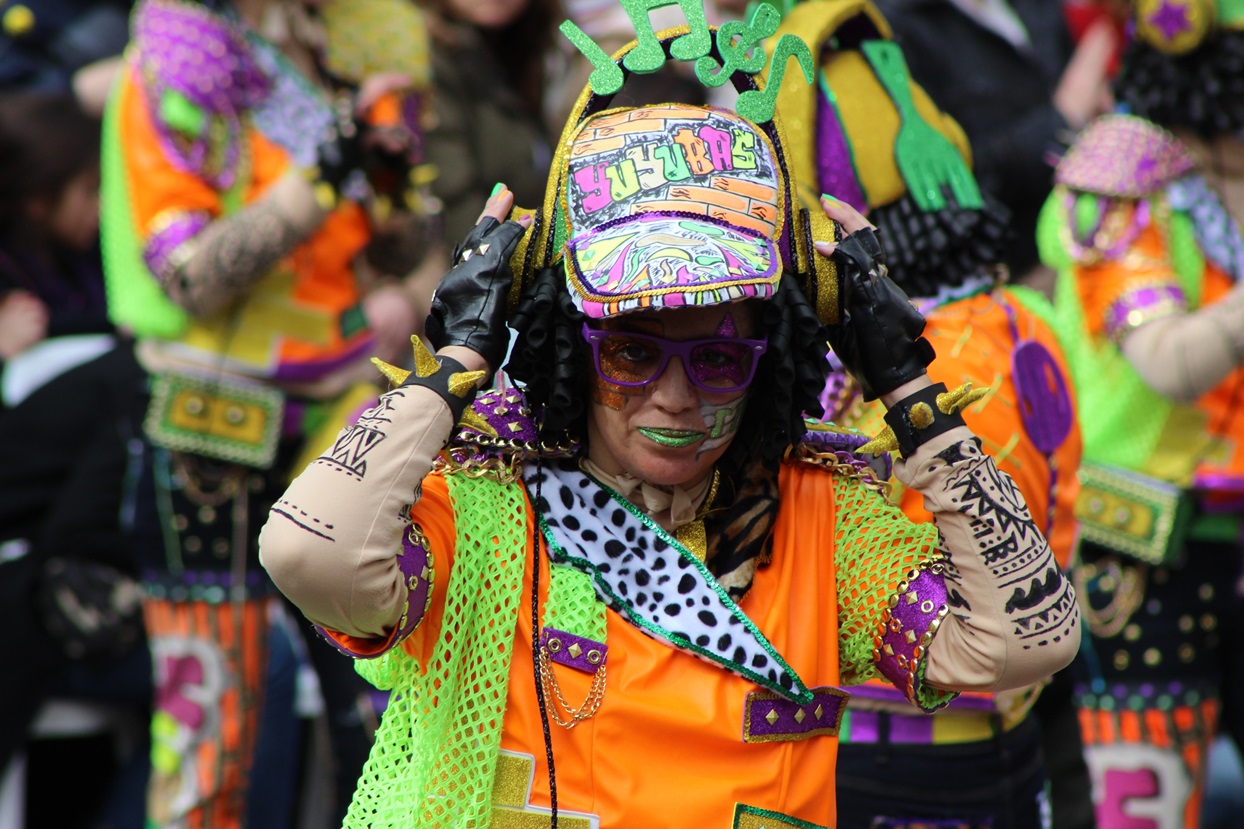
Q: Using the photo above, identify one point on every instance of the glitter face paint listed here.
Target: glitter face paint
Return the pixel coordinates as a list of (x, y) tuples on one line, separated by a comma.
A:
[(611, 396)]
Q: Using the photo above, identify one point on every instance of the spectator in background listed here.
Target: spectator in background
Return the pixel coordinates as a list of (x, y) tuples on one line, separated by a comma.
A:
[(63, 46), (64, 379), (51, 281), (488, 65), (1008, 72)]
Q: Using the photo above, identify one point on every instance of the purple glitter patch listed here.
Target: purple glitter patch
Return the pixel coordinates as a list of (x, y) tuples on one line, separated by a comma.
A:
[(1142, 305), (768, 717), (160, 252), (200, 56), (834, 167), (415, 562), (506, 412), (1044, 402), (909, 625), (844, 446), (576, 652), (1126, 156)]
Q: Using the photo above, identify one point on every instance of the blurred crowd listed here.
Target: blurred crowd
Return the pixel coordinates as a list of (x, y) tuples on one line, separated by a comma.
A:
[(182, 183)]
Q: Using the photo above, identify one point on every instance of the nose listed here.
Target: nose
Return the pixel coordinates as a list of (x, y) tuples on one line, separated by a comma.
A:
[(673, 390)]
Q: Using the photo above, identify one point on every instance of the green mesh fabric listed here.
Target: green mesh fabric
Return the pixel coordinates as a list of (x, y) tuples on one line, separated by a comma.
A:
[(1121, 418), (573, 605), (1186, 257), (135, 300), (435, 753), (875, 546)]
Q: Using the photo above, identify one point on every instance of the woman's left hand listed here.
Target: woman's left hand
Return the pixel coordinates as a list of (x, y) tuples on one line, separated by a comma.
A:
[(878, 338)]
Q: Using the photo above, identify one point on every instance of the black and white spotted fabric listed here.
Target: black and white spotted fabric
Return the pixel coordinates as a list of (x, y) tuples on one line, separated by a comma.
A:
[(642, 573)]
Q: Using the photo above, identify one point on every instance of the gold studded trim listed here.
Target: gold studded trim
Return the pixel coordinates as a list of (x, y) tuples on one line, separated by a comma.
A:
[(772, 718)]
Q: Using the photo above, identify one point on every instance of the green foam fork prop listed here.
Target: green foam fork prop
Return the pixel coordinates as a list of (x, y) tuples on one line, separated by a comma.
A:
[(925, 157)]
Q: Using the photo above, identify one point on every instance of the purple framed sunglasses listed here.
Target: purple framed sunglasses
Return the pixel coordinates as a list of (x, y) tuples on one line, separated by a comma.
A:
[(717, 365)]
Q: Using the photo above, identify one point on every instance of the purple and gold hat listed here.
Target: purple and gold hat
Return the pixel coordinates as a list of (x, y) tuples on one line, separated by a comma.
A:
[(670, 205)]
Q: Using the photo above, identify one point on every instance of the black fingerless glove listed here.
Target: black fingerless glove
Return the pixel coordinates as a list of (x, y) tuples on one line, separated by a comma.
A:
[(878, 338), (468, 308)]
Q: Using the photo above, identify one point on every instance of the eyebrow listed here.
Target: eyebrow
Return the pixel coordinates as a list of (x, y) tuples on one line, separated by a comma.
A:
[(638, 326)]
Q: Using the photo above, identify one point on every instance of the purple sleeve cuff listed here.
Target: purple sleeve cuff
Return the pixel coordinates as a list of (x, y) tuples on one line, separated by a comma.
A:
[(1141, 305), (166, 247), (415, 562), (909, 624)]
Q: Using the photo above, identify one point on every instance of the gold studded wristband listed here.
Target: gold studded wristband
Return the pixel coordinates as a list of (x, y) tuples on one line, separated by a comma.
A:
[(917, 419)]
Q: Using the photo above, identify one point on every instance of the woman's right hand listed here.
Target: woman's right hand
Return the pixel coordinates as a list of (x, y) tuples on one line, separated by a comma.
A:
[(468, 308)]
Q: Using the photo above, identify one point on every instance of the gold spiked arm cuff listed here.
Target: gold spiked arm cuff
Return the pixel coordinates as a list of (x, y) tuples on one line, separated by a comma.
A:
[(443, 375)]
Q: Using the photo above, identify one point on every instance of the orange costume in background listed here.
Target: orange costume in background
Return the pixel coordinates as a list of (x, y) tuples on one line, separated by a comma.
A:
[(252, 330), (1140, 239)]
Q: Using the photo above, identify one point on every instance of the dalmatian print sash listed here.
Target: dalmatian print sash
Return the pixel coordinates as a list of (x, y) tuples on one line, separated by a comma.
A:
[(642, 573)]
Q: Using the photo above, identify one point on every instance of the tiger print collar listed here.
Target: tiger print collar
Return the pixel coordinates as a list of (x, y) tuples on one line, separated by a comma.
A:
[(652, 581)]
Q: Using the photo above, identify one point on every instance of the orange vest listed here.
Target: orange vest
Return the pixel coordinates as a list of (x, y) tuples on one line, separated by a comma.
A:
[(666, 746)]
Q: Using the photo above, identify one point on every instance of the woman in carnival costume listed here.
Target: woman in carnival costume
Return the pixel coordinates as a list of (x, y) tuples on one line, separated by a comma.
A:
[(253, 154), (627, 594), (1144, 229), (869, 136)]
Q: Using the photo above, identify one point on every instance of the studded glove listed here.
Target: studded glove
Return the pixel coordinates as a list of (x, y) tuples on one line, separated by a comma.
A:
[(468, 308), (878, 339)]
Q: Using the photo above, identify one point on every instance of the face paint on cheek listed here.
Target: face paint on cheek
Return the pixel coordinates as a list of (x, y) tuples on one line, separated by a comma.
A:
[(611, 396), (721, 421)]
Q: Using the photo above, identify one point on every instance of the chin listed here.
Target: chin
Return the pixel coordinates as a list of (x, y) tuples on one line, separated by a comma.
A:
[(666, 467)]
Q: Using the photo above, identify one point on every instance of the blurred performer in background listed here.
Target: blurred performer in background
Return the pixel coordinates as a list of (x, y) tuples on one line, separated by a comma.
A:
[(260, 227), (1144, 229)]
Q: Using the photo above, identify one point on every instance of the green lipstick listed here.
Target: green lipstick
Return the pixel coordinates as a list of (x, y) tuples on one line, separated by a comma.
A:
[(673, 438)]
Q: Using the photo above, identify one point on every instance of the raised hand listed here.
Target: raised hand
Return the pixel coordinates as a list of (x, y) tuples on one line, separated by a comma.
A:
[(878, 338), (468, 308)]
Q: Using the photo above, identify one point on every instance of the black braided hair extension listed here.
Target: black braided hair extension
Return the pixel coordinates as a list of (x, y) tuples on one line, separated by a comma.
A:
[(1202, 90), (535, 626), (547, 354), (943, 248)]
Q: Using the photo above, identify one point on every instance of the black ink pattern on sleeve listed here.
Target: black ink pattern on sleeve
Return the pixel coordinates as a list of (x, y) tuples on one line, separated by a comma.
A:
[(349, 452), (1040, 602)]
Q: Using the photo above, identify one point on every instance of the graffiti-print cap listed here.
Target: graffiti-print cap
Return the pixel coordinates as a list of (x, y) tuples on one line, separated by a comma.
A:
[(670, 205)]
